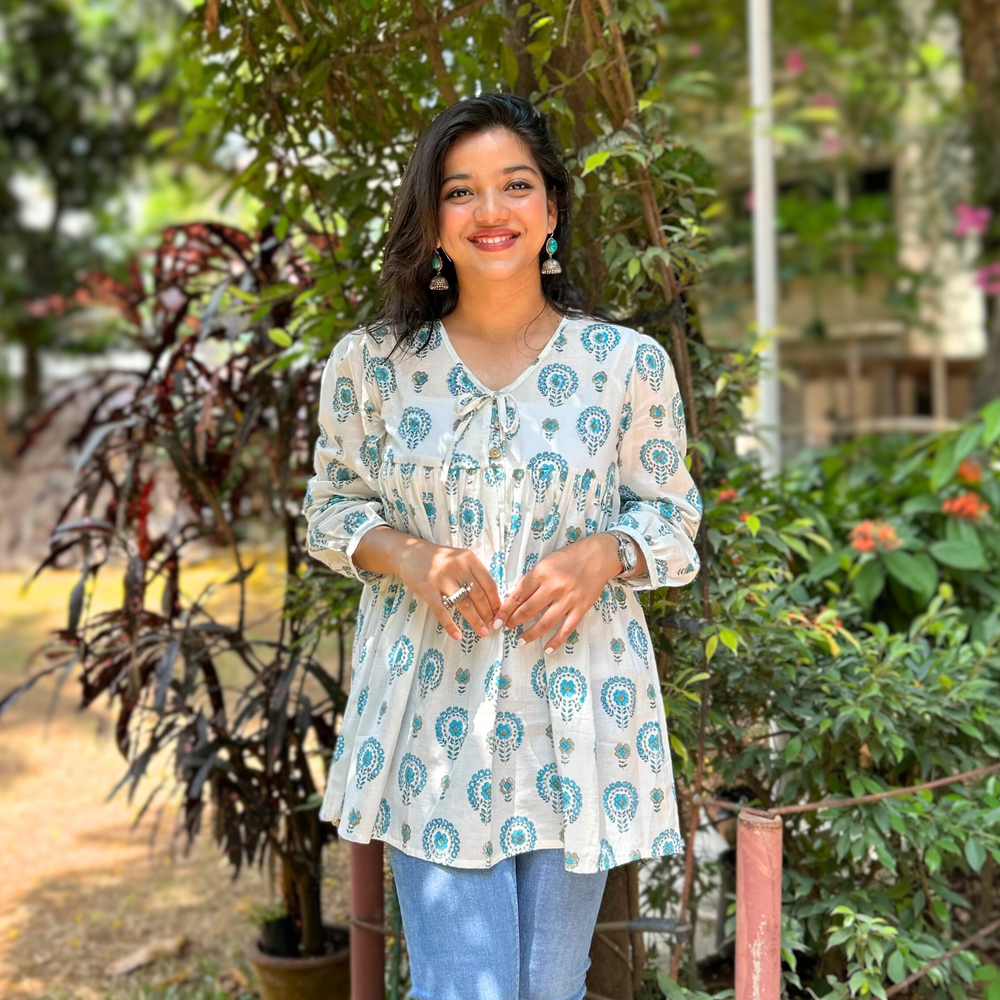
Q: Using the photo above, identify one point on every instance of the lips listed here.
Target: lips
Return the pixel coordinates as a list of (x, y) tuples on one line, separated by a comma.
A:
[(497, 241)]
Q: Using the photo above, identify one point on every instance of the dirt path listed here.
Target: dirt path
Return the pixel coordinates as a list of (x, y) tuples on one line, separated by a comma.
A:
[(81, 888)]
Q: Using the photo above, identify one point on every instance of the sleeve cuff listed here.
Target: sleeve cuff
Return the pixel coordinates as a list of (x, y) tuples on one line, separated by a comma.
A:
[(644, 581), (365, 575)]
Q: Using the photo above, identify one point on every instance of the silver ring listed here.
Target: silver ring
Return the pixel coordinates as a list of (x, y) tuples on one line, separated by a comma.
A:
[(462, 592)]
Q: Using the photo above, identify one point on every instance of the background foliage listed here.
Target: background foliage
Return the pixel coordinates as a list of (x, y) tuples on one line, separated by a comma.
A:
[(843, 635)]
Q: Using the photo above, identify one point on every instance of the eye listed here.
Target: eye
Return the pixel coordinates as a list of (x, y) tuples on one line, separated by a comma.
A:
[(525, 187)]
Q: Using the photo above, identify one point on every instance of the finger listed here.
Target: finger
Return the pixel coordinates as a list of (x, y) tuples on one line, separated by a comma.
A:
[(534, 605), (489, 589), (524, 589), (443, 615), (546, 623), (481, 599), (447, 621), (559, 639), (476, 610)]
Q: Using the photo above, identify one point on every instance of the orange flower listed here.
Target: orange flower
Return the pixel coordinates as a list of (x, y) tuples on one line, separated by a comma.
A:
[(735, 558), (868, 534), (727, 494), (970, 471), (744, 515), (969, 506), (823, 610), (885, 534)]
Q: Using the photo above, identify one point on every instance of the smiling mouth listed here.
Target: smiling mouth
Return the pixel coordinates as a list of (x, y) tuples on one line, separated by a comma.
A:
[(494, 241)]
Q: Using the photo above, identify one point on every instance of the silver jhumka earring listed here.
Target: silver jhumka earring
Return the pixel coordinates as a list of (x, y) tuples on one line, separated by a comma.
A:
[(439, 283), (551, 266)]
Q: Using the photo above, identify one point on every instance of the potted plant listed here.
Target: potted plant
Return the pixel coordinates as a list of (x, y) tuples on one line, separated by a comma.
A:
[(212, 439), (282, 973)]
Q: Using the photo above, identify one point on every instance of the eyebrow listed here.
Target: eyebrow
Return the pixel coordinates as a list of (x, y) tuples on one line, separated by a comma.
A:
[(506, 170)]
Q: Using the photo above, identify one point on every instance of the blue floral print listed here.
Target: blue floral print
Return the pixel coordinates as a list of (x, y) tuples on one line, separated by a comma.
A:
[(470, 751)]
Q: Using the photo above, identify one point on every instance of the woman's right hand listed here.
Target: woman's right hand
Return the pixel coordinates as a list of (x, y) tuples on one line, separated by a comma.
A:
[(430, 571)]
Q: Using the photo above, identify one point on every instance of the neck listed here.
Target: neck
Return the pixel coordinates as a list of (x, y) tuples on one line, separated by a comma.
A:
[(501, 311)]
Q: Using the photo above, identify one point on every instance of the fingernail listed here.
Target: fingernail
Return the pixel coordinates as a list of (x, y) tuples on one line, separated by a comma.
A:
[(484, 631), (548, 649), (496, 624), (520, 641)]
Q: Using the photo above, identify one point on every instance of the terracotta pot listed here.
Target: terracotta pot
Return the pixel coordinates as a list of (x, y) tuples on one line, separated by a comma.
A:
[(325, 977)]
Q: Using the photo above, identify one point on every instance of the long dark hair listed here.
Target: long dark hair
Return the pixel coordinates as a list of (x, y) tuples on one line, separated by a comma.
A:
[(407, 305)]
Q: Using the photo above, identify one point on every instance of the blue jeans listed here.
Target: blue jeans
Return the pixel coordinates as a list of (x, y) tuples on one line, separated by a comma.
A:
[(519, 930)]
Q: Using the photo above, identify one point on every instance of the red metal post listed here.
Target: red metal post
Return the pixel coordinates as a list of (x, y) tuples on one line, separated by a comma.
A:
[(367, 947), (758, 906)]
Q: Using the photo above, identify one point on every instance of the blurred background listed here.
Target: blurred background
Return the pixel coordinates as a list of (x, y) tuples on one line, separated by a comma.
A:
[(192, 203)]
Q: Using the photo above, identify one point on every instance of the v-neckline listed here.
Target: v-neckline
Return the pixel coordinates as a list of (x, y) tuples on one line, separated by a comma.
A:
[(512, 385)]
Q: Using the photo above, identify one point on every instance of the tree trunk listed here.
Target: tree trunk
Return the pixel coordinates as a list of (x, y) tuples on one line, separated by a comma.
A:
[(31, 380), (980, 24), (609, 975), (8, 445)]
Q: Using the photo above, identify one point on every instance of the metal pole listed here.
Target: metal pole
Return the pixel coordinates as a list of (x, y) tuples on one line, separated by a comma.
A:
[(367, 947), (758, 906), (768, 420)]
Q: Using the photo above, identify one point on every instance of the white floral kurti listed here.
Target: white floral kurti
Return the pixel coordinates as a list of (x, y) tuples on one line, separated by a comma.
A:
[(466, 752)]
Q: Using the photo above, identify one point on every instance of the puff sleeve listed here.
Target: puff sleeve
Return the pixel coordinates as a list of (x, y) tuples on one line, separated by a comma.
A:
[(342, 499), (660, 506)]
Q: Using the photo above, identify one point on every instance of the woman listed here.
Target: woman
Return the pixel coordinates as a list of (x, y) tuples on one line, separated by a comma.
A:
[(504, 472)]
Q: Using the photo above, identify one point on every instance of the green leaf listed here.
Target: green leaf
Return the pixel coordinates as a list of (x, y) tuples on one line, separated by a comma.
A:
[(791, 135), (729, 638), (869, 582), (917, 572), (959, 555), (280, 337), (932, 55), (594, 161), (932, 858), (990, 414), (824, 567), (711, 646), (975, 854), (509, 69), (950, 456)]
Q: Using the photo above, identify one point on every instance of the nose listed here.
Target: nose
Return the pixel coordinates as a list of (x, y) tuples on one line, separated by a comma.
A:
[(490, 209)]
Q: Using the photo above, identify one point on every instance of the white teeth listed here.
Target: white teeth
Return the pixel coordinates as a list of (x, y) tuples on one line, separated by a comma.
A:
[(492, 239)]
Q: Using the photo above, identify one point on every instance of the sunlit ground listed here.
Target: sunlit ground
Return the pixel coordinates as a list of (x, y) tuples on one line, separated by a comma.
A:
[(81, 888)]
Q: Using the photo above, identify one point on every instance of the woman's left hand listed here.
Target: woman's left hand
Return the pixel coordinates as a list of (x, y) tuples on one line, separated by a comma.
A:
[(564, 585)]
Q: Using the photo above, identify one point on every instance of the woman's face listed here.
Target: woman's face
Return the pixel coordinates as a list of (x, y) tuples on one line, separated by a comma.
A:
[(493, 188)]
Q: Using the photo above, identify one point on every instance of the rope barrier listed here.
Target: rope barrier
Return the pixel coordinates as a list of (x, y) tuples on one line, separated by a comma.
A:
[(839, 803), (920, 973), (644, 925)]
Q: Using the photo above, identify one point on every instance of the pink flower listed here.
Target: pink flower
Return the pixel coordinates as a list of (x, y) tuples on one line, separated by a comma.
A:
[(832, 143), (794, 63), (988, 278), (693, 50), (824, 100), (969, 218)]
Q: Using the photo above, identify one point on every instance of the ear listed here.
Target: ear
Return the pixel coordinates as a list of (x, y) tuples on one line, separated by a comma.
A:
[(553, 215)]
